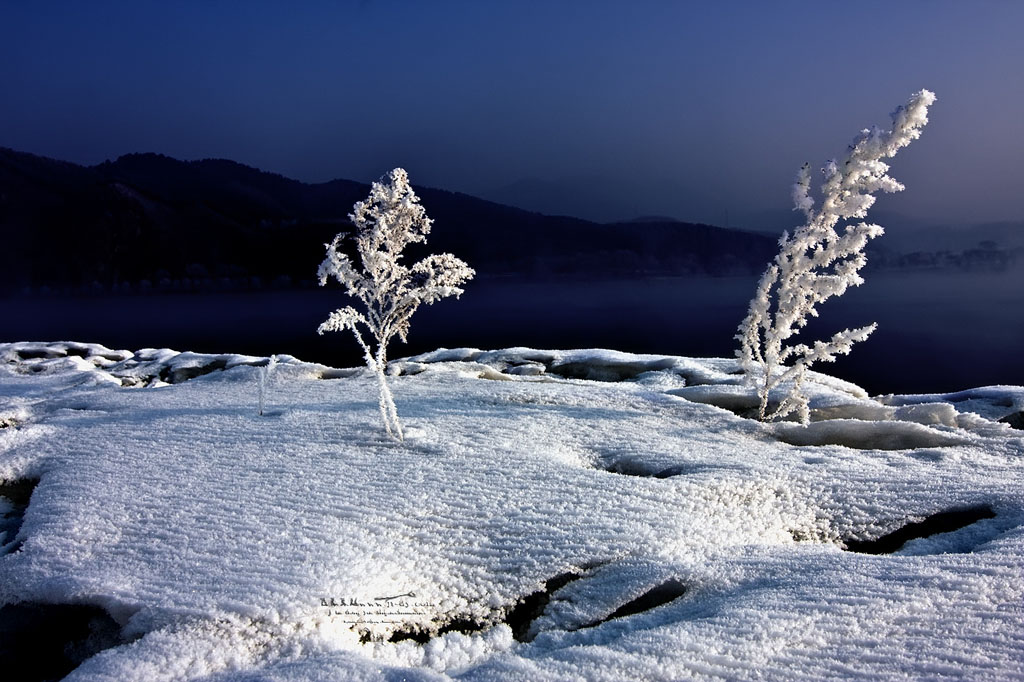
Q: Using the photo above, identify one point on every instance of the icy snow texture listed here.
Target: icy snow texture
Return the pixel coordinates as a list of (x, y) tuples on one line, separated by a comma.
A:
[(217, 535)]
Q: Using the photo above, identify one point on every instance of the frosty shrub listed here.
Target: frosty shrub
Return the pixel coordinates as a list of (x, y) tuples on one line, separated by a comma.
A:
[(386, 222), (263, 375), (816, 263)]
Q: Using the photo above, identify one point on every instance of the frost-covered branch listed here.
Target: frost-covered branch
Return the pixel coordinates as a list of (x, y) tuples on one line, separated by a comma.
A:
[(816, 262), (388, 220)]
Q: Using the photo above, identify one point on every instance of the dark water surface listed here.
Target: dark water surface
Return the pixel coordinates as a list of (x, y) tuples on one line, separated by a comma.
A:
[(937, 331)]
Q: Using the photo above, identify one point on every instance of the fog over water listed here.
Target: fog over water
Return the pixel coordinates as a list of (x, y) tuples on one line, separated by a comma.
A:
[(937, 331)]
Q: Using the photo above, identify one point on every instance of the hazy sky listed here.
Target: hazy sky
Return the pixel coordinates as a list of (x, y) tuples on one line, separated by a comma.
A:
[(702, 111)]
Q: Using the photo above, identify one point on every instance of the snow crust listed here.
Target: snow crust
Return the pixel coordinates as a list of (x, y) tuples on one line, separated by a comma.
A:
[(218, 538)]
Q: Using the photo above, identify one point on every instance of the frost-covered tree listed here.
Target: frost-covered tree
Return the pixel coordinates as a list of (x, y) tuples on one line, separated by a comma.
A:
[(388, 220), (817, 262)]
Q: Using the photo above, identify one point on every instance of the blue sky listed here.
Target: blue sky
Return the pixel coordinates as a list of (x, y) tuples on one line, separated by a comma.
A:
[(702, 111)]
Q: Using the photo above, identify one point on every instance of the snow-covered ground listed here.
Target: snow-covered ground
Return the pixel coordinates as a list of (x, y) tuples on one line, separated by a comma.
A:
[(552, 515)]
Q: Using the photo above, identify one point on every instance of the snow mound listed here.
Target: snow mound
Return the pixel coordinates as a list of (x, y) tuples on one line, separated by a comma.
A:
[(591, 364), (992, 402), (867, 435), (149, 367)]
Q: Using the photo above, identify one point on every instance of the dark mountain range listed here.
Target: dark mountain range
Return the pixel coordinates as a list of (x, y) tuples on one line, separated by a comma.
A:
[(150, 221)]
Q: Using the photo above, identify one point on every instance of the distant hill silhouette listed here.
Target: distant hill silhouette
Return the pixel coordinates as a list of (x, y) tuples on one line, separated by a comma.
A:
[(150, 221)]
